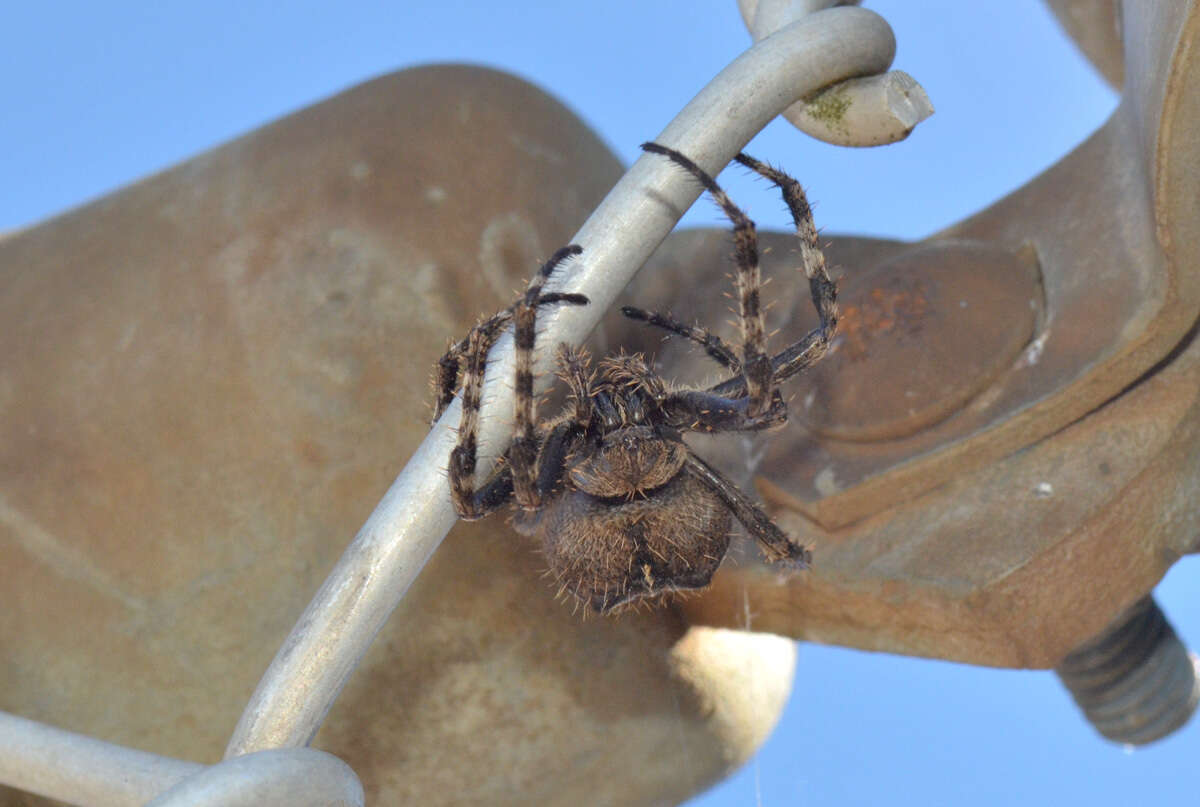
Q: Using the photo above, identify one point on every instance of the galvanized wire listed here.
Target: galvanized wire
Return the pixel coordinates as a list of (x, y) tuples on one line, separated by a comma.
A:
[(410, 521), (78, 769), (296, 777), (867, 111), (381, 562)]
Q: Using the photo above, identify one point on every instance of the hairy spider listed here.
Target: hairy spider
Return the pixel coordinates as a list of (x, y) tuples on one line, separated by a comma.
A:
[(622, 508)]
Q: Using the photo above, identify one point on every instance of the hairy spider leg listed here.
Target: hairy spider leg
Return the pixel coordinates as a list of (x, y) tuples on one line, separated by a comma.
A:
[(775, 544), (463, 457), (785, 364), (820, 284), (524, 449), (701, 411), (449, 365), (630, 371), (713, 345), (815, 344), (469, 503), (719, 410), (756, 364), (574, 368)]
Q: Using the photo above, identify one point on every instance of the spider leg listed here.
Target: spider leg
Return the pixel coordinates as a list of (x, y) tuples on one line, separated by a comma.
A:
[(820, 284), (575, 370), (630, 371), (774, 542), (698, 411), (756, 364), (713, 345), (446, 374), (552, 458), (479, 341), (815, 344), (784, 364), (524, 450), (498, 490), (469, 503), (494, 494)]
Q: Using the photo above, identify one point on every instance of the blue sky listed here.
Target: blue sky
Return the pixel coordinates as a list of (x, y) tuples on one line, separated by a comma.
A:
[(99, 95)]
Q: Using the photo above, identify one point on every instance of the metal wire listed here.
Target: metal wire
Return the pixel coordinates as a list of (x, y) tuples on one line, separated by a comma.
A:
[(410, 521), (377, 568), (77, 769), (867, 111), (296, 777)]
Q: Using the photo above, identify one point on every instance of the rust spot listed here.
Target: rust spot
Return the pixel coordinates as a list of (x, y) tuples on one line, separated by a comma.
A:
[(920, 336), (884, 312)]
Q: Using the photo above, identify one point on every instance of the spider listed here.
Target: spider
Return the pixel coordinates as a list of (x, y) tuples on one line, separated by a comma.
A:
[(622, 508)]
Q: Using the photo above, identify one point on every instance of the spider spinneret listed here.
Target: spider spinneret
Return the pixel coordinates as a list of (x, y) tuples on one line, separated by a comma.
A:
[(621, 506)]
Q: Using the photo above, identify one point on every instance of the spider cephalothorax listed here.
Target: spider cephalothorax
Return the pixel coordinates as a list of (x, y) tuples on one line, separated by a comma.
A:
[(622, 508)]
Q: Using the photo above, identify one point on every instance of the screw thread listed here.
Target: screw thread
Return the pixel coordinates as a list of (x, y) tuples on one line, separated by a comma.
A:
[(1135, 682)]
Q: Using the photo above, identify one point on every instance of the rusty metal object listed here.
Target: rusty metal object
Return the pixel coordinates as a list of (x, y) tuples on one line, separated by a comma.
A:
[(954, 315), (1117, 292), (1014, 530), (1134, 682)]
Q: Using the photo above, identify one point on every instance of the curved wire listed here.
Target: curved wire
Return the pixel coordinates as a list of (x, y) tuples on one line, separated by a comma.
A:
[(414, 515), (382, 561), (867, 111), (410, 521), (297, 777), (78, 769)]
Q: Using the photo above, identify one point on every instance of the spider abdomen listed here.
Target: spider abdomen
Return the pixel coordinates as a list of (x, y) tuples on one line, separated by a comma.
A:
[(607, 552)]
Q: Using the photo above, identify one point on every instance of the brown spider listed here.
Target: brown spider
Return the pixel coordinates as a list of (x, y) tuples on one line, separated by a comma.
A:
[(622, 508)]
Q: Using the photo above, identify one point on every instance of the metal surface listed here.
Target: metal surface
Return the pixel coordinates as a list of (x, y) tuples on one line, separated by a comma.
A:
[(865, 111), (389, 551), (302, 777), (1014, 528), (1135, 682), (1095, 25), (78, 769)]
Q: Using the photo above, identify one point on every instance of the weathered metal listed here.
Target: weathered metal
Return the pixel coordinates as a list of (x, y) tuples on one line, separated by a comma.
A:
[(199, 363), (1017, 526)]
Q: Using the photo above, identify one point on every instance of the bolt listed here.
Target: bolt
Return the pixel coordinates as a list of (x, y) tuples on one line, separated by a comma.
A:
[(1135, 682)]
